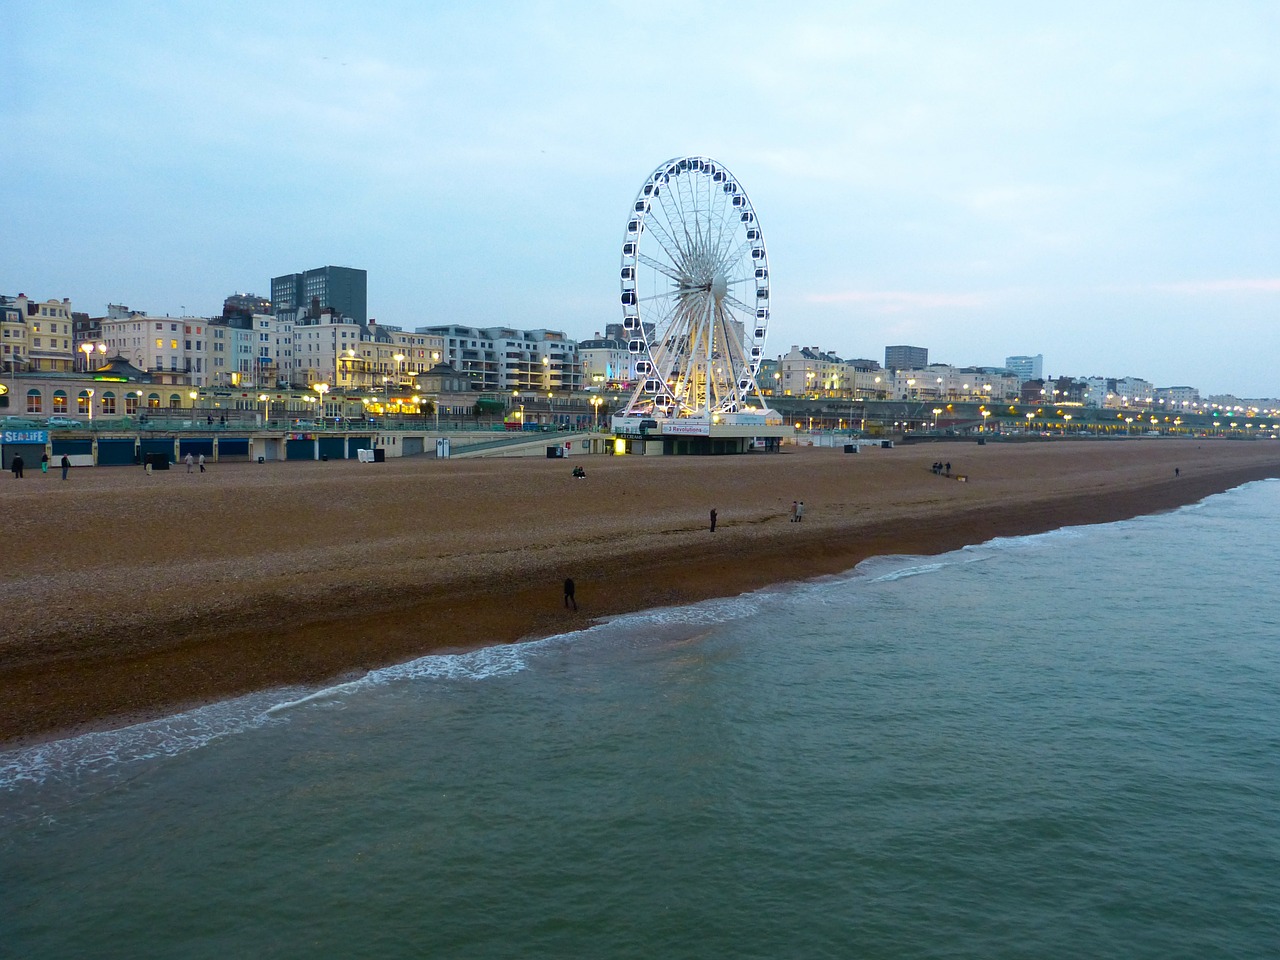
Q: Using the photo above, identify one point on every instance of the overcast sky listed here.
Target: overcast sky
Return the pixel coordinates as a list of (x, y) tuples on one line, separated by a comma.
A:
[(1097, 182)]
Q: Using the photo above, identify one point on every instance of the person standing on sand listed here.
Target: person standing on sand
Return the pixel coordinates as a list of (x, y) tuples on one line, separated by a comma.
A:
[(794, 508), (568, 593), (1177, 472), (800, 511), (44, 463), (202, 463), (189, 460), (713, 519), (66, 465), (16, 466)]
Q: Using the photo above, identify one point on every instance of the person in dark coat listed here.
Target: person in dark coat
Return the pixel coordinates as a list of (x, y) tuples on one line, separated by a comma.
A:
[(16, 466), (66, 465), (713, 520), (568, 593)]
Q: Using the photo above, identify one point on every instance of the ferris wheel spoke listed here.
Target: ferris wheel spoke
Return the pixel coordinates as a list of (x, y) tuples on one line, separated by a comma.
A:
[(668, 243), (661, 267)]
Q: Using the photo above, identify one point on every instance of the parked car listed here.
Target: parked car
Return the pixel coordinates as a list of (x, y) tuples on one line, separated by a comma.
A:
[(19, 423), (62, 422)]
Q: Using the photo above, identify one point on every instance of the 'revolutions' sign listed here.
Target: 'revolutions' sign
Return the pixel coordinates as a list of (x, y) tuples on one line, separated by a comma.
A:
[(686, 428)]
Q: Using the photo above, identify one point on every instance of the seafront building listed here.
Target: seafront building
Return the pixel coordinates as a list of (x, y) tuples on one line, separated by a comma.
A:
[(903, 357), (35, 335), (811, 371), (344, 290), (506, 360), (606, 362), (1026, 368)]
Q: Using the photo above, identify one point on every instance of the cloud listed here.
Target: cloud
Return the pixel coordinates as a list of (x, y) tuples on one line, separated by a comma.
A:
[(1220, 286), (898, 301)]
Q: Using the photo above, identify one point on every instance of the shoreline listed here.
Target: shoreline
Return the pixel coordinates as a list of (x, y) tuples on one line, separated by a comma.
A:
[(434, 568)]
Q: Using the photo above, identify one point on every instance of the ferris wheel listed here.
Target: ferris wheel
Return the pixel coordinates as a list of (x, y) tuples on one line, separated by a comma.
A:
[(695, 292)]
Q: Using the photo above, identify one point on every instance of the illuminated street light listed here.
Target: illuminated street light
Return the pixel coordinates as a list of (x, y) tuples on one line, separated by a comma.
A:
[(322, 389)]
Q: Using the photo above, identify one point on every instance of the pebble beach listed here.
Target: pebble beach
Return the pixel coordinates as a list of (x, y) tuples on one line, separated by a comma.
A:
[(130, 596)]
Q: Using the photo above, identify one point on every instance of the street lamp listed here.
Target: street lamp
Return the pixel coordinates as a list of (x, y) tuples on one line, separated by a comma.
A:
[(595, 404), (985, 414), (89, 405), (399, 359), (322, 389), (88, 352), (263, 399), (936, 412), (193, 395)]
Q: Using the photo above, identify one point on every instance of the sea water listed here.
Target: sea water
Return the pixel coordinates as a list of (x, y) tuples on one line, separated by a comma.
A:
[(1064, 745)]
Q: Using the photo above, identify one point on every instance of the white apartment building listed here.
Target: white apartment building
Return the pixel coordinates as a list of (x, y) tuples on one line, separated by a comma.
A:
[(942, 382), (350, 356), (176, 349), (503, 359), (605, 360), (1026, 368)]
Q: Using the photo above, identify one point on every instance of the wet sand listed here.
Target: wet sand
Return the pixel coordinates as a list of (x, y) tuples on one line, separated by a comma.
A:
[(128, 596)]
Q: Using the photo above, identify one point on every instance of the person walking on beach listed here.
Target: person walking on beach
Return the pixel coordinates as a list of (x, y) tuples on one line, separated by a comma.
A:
[(16, 466), (44, 463), (794, 514), (66, 465), (1177, 472), (948, 468), (800, 511), (713, 519), (189, 460), (569, 598), (202, 463)]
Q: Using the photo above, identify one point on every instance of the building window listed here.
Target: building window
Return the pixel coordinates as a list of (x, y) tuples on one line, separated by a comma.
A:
[(35, 402), (82, 402), (108, 403), (175, 401), (130, 404), (153, 401), (59, 401)]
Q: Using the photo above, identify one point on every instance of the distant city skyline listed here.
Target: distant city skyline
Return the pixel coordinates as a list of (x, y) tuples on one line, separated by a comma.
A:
[(1091, 183)]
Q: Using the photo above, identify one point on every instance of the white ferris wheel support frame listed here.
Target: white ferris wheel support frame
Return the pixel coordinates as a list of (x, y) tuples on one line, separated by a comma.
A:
[(695, 293)]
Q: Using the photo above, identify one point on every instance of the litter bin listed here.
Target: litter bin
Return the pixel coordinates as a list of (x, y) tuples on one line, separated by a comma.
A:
[(982, 441), (555, 453), (157, 461), (850, 448), (379, 455)]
